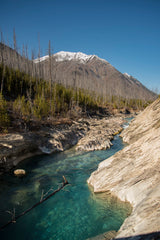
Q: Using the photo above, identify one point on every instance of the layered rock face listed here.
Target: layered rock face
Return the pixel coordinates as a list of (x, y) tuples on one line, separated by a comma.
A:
[(100, 134), (133, 174), (86, 132), (18, 146)]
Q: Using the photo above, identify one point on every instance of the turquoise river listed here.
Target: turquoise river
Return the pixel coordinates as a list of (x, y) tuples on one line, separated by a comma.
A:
[(74, 213)]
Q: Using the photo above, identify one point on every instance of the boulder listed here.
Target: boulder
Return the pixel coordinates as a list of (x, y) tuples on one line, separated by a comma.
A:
[(19, 172)]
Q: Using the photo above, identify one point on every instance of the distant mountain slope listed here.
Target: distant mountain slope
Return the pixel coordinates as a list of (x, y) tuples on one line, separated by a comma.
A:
[(90, 72), (13, 59), (79, 70)]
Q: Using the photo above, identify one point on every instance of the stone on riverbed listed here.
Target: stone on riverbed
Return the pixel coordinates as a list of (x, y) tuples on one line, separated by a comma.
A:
[(105, 236), (19, 172)]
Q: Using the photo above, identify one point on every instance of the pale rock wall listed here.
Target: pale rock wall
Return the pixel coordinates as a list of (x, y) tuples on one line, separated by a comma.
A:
[(133, 174)]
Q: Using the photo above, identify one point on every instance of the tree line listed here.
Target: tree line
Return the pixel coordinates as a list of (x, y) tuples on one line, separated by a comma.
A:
[(26, 95), (23, 98)]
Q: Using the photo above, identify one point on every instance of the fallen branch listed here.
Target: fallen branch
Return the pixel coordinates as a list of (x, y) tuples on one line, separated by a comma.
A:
[(14, 218)]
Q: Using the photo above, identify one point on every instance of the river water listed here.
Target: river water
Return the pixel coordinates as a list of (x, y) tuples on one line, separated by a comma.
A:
[(74, 213)]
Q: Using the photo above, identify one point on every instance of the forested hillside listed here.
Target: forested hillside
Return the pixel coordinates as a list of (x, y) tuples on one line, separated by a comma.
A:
[(28, 98), (42, 90), (76, 70)]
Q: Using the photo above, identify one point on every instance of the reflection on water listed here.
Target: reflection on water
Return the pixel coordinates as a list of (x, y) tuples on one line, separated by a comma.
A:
[(73, 213)]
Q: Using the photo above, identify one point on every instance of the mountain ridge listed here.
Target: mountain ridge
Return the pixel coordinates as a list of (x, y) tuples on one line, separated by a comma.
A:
[(68, 56), (79, 71), (90, 72)]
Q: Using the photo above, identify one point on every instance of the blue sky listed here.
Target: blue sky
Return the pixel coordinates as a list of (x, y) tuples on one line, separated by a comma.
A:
[(124, 32)]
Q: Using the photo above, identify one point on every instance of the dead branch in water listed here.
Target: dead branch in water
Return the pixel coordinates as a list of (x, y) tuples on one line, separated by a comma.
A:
[(14, 218)]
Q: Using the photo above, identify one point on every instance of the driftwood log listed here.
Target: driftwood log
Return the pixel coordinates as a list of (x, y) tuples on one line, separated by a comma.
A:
[(14, 218)]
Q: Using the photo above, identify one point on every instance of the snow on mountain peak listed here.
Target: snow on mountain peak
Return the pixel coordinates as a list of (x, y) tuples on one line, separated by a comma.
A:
[(41, 59), (68, 56), (78, 56), (127, 75)]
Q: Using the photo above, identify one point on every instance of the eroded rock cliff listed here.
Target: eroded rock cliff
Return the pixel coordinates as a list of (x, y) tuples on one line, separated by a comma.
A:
[(133, 174), (100, 134), (16, 147)]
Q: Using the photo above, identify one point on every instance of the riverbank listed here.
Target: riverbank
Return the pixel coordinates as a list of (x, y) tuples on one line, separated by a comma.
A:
[(90, 134), (64, 215), (133, 175)]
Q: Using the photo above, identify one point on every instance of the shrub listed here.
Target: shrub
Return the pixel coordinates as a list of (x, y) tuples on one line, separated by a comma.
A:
[(40, 107), (4, 118), (22, 107)]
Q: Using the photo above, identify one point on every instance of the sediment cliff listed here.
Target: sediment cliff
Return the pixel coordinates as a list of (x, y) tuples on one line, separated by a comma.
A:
[(133, 175), (100, 134), (16, 147)]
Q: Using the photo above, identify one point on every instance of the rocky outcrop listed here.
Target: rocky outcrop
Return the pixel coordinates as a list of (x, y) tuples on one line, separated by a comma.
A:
[(14, 148), (133, 174), (94, 134), (17, 147), (100, 134)]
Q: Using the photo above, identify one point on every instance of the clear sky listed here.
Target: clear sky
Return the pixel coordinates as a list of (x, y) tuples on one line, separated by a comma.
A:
[(124, 32)]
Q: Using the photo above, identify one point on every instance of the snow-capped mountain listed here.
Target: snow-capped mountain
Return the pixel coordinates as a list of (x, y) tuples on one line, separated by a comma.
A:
[(41, 59), (79, 70), (69, 56), (77, 56)]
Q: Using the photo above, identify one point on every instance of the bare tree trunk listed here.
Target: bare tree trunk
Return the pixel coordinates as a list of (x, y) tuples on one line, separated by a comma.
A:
[(14, 218), (50, 76), (2, 60), (16, 49), (39, 56)]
